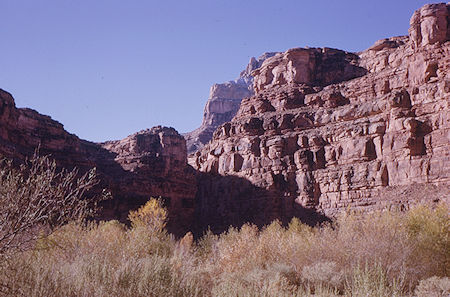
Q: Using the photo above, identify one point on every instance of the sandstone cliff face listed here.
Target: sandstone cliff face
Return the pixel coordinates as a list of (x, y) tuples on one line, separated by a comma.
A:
[(223, 103), (327, 130), (23, 130), (429, 25), (148, 163)]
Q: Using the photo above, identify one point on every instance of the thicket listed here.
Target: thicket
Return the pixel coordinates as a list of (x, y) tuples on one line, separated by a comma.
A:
[(37, 197), (377, 254)]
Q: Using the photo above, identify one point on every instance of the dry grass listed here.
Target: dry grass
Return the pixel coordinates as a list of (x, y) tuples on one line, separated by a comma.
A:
[(379, 254)]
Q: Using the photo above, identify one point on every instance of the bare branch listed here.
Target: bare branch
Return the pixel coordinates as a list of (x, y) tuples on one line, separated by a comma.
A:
[(36, 194)]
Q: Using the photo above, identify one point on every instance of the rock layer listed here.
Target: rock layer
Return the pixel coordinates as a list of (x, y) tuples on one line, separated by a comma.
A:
[(223, 103), (327, 130), (150, 163)]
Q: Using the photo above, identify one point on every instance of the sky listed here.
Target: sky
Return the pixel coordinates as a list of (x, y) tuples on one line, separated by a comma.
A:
[(108, 68)]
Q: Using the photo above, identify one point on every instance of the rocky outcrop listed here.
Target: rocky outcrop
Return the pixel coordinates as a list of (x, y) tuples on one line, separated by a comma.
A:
[(306, 67), (223, 103), (327, 130), (150, 163), (429, 25), (22, 130)]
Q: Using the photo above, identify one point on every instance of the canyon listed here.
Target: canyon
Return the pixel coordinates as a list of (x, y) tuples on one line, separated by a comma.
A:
[(328, 130), (309, 132)]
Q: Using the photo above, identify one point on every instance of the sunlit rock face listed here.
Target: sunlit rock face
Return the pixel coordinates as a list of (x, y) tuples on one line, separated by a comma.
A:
[(223, 103), (429, 25), (327, 130)]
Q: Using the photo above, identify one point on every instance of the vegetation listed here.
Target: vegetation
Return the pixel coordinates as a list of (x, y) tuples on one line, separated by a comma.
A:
[(36, 197), (377, 254)]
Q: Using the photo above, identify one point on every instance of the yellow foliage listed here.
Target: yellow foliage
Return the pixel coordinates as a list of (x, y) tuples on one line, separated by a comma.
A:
[(429, 229), (152, 215), (379, 254)]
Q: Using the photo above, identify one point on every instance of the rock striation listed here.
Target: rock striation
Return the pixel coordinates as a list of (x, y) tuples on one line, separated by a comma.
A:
[(223, 103), (328, 130), (319, 131), (150, 163)]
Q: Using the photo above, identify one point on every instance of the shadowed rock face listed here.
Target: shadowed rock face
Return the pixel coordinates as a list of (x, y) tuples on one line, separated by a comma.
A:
[(327, 130), (150, 163), (223, 103)]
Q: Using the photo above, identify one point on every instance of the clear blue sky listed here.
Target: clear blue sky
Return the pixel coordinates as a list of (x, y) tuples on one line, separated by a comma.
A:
[(108, 68)]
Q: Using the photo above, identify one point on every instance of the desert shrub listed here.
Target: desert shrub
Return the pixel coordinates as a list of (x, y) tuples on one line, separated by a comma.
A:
[(151, 215), (358, 255), (433, 286), (270, 247), (36, 195), (235, 249), (372, 280), (429, 230), (257, 282), (100, 259), (274, 280), (323, 274), (206, 245), (148, 230), (297, 227)]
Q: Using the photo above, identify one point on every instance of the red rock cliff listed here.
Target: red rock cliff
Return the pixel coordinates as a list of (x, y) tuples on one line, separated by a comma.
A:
[(327, 129), (148, 163)]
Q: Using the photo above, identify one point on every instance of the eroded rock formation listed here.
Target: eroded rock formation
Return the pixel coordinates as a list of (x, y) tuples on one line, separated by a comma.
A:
[(327, 130), (148, 163), (223, 103)]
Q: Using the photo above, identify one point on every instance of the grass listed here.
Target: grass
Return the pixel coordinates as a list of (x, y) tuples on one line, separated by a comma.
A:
[(378, 254)]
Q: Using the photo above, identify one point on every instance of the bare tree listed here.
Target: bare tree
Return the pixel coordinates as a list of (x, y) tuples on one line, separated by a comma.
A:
[(37, 194)]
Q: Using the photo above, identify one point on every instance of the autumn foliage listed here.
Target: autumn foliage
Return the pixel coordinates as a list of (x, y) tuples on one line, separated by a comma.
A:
[(378, 254)]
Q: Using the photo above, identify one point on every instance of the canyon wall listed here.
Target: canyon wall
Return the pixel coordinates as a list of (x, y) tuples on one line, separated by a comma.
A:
[(150, 163), (328, 130)]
